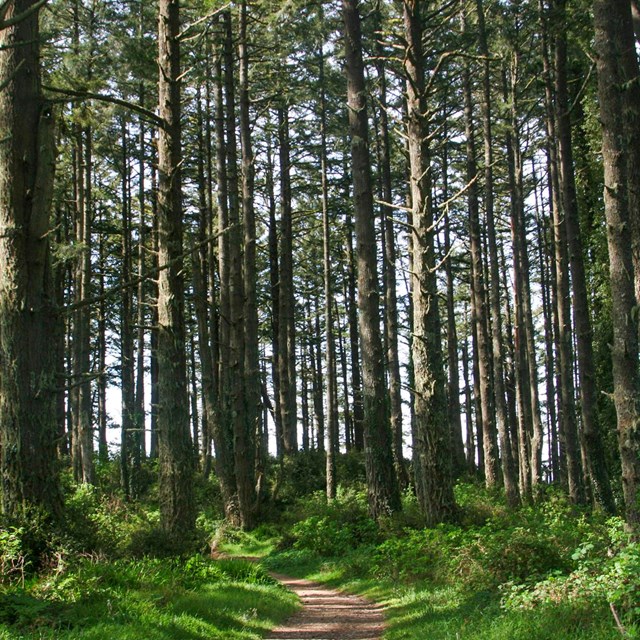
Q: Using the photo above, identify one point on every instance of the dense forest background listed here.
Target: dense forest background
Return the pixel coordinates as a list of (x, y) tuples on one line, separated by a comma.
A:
[(277, 247), (208, 253)]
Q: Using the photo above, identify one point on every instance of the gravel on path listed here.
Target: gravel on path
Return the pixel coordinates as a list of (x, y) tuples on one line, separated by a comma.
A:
[(327, 614)]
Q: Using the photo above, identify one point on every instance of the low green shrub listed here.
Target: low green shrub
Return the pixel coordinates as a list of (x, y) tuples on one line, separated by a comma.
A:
[(416, 555), (607, 570), (340, 526)]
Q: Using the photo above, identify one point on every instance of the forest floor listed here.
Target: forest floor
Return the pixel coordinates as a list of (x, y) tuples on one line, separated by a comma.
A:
[(327, 614)]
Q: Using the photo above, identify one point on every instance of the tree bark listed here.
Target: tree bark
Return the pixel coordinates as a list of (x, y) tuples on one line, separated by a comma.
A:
[(248, 431), (28, 385), (479, 317), (613, 36), (287, 344), (432, 437), (177, 512), (383, 493), (591, 430)]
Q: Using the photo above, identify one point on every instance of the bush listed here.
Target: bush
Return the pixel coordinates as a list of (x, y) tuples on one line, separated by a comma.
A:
[(607, 570), (336, 527), (12, 559), (417, 555)]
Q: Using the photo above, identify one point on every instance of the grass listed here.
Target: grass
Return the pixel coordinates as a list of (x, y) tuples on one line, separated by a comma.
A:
[(150, 599), (445, 610), (448, 612), (543, 572)]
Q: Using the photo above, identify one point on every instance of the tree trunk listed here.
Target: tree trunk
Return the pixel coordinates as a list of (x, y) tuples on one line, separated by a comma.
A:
[(613, 35), (384, 496), (177, 513), (287, 344), (597, 470), (490, 223), (28, 385), (480, 322), (274, 291), (432, 441), (354, 339), (390, 278), (248, 430), (127, 372)]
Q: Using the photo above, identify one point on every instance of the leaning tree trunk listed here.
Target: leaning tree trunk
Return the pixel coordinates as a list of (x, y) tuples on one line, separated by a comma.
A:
[(177, 513), (384, 496), (28, 385)]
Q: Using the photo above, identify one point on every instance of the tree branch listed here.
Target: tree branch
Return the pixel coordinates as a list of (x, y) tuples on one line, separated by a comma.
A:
[(100, 97), (5, 24)]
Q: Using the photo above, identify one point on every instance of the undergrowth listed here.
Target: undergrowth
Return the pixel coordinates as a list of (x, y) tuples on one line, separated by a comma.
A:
[(108, 571), (550, 571)]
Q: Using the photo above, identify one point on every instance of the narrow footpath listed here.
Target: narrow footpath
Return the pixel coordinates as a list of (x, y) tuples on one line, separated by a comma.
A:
[(327, 614)]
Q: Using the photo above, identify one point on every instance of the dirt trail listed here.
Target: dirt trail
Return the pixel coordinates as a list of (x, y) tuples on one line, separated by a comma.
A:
[(327, 614)]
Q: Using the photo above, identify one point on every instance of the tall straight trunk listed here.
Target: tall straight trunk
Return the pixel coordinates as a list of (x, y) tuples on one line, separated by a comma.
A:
[(224, 461), (80, 394), (479, 318), (287, 344), (314, 341), (60, 291), (390, 277), (453, 361), (354, 340), (232, 398), (477, 395), (153, 342), (127, 372), (470, 450), (521, 353), (28, 386), (497, 350), (432, 437), (139, 444), (591, 430), (274, 294), (82, 452), (177, 512), (103, 448), (330, 349), (193, 398), (382, 486), (247, 432), (613, 39), (220, 420), (546, 285), (342, 351), (308, 432), (568, 426), (204, 282)]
